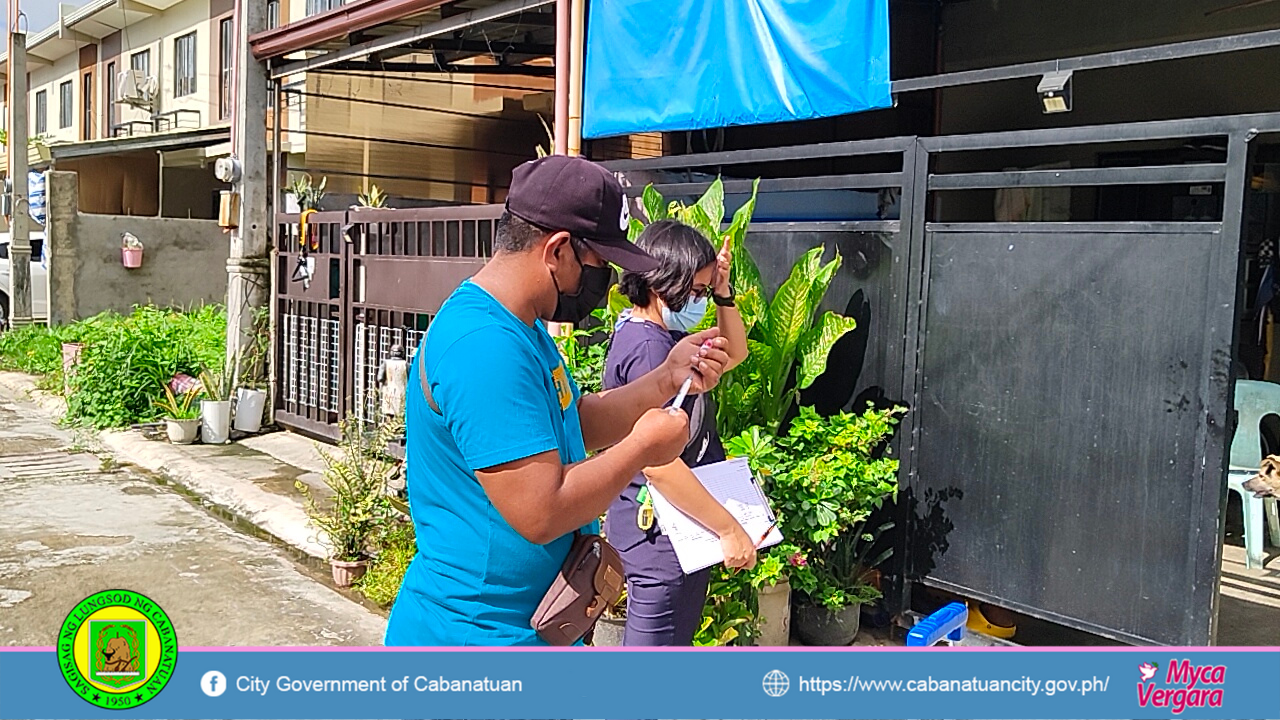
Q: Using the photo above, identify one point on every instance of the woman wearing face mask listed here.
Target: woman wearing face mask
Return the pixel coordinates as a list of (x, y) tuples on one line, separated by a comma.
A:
[(664, 606)]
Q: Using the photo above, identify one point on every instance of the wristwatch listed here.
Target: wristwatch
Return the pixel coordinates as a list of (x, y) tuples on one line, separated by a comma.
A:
[(725, 301)]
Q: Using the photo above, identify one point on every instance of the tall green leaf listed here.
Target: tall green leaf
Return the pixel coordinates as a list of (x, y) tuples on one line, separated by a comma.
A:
[(822, 281), (745, 274), (791, 311), (697, 217), (654, 205), (634, 228), (816, 345), (751, 305), (712, 205)]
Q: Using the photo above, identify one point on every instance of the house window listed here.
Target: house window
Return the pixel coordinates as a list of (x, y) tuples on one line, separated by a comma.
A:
[(65, 101), (86, 107), (226, 46), (319, 6), (109, 112), (184, 65), (141, 61), (42, 112)]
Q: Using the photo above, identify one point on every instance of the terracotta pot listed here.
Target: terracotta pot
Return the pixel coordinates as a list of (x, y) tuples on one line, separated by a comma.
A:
[(347, 572), (608, 632), (816, 625), (775, 615)]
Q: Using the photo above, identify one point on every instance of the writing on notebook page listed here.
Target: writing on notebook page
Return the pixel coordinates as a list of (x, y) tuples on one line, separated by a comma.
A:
[(733, 486)]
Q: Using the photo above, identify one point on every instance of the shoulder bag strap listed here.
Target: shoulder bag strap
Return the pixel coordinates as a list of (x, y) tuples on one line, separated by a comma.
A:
[(422, 380)]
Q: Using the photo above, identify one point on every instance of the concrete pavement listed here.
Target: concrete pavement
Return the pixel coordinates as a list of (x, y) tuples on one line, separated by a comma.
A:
[(74, 524)]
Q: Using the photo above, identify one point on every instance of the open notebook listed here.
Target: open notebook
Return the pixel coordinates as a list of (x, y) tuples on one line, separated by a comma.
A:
[(731, 483)]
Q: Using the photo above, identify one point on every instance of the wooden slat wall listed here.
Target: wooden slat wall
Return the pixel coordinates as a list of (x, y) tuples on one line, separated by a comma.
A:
[(627, 147)]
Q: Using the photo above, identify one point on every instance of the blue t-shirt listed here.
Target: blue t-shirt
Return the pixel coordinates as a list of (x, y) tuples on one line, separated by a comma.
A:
[(504, 395)]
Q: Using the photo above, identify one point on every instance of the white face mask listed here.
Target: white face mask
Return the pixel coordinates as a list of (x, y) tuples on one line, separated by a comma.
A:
[(688, 317)]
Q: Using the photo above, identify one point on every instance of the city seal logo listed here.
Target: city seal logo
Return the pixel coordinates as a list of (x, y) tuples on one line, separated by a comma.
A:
[(117, 649)]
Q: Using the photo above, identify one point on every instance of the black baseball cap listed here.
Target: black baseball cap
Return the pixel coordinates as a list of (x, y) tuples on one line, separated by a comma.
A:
[(574, 195)]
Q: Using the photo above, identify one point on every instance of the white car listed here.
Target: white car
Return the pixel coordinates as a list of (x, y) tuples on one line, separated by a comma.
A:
[(39, 280)]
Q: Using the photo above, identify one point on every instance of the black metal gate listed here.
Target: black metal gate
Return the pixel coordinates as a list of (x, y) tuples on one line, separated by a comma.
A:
[(1069, 382), (1072, 395)]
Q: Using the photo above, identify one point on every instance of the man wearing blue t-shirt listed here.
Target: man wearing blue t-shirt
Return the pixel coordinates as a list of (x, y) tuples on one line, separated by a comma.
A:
[(498, 475)]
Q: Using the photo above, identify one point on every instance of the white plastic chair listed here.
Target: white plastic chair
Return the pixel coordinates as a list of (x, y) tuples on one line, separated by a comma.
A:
[(1254, 401)]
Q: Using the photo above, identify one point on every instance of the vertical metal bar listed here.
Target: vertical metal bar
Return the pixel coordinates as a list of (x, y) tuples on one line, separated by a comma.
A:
[(899, 306), (916, 291), (346, 327), (1218, 386), (273, 253)]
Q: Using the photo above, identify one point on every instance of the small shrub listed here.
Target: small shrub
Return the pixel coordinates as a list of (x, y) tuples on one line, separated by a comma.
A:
[(128, 359), (357, 475)]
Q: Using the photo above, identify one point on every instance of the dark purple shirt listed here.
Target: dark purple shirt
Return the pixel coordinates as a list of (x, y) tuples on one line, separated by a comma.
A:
[(637, 347)]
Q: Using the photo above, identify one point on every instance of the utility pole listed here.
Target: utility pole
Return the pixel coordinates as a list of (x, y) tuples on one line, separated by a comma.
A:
[(248, 263), (20, 229)]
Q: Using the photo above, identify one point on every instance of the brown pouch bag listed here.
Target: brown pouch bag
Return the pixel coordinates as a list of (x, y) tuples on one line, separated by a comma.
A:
[(589, 582)]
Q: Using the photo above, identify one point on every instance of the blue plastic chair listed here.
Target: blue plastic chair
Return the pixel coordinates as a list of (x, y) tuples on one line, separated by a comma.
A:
[(1254, 401)]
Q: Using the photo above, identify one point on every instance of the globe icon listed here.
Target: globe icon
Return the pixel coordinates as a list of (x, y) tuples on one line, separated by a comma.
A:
[(776, 683)]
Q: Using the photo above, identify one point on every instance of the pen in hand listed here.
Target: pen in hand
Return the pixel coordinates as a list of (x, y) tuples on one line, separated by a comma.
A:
[(765, 536), (684, 387)]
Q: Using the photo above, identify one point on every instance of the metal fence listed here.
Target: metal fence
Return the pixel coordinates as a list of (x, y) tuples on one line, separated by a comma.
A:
[(358, 283)]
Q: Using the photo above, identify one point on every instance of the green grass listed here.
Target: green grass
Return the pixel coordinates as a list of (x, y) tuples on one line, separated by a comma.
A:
[(125, 360), (396, 550)]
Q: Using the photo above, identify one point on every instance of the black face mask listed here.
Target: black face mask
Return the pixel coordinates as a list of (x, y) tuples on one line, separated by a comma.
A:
[(593, 285)]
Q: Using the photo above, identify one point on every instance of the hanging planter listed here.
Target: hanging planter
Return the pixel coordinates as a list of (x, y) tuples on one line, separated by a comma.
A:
[(131, 250)]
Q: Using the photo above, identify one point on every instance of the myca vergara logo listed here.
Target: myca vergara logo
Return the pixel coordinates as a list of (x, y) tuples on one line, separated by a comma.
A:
[(1185, 686), (117, 649)]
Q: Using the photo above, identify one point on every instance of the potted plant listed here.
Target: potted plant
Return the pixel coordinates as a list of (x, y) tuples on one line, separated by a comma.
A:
[(773, 592), (215, 408), (307, 195), (130, 250), (825, 481), (181, 416), (375, 198), (357, 476)]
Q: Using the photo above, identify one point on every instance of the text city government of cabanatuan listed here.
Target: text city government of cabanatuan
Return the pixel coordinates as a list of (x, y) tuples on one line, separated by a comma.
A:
[(421, 683)]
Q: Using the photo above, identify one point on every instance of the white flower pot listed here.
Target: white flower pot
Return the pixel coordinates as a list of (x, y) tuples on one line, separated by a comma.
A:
[(181, 432), (215, 421), (249, 405)]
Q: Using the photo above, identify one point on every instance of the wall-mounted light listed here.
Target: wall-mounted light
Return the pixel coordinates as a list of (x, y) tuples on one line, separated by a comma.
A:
[(1055, 91)]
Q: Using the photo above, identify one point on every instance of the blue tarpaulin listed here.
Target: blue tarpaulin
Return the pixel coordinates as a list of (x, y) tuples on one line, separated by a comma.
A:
[(695, 64)]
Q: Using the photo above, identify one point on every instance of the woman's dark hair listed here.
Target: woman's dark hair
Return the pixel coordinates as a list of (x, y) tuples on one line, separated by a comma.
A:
[(681, 251)]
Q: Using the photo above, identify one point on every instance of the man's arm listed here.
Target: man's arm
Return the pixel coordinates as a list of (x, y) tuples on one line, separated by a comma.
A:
[(543, 500), (606, 417)]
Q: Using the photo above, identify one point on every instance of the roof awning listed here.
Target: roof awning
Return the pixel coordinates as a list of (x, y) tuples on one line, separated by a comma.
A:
[(164, 141), (370, 35)]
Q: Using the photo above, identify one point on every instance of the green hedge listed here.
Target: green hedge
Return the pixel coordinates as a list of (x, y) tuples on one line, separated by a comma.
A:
[(125, 360)]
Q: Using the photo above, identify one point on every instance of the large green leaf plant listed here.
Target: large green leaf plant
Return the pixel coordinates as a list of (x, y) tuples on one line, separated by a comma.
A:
[(787, 335), (789, 339)]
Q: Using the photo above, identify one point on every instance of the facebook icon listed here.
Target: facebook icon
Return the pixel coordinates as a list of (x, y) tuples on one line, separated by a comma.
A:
[(213, 683)]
